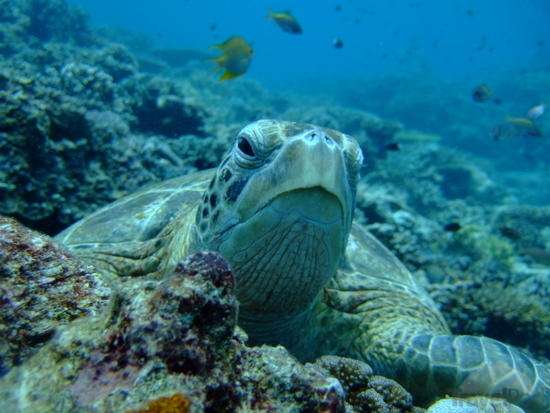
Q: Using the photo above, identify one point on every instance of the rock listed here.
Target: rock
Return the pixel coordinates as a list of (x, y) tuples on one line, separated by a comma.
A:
[(43, 287), (271, 373), (116, 61), (353, 374), (159, 108)]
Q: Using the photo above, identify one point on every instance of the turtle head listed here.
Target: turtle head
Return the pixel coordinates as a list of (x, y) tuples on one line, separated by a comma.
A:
[(279, 209)]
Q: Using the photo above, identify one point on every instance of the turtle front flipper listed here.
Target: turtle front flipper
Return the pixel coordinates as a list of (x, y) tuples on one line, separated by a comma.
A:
[(433, 365), (147, 232), (386, 319)]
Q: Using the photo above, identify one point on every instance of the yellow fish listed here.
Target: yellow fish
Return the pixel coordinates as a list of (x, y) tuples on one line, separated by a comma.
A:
[(522, 122), (286, 21), (513, 127), (235, 58)]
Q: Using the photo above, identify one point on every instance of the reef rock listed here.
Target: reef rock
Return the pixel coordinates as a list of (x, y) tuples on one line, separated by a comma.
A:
[(43, 287)]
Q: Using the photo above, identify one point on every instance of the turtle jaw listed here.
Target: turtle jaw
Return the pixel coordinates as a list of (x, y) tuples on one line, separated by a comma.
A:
[(285, 253), (309, 160)]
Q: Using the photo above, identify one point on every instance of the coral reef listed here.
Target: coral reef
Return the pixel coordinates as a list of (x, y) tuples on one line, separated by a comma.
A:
[(55, 20), (159, 108), (43, 288), (32, 22), (366, 391), (406, 202), (72, 134)]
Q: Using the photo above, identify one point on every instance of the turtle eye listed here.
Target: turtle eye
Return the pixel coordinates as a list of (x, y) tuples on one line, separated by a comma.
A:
[(245, 147)]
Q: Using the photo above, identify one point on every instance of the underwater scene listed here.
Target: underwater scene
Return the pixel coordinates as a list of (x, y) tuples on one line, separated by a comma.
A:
[(275, 206)]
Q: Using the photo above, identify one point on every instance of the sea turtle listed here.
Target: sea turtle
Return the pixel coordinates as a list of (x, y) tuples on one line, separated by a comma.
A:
[(279, 208)]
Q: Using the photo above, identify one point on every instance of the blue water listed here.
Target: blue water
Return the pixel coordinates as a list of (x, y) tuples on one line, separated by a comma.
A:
[(413, 61), (453, 39)]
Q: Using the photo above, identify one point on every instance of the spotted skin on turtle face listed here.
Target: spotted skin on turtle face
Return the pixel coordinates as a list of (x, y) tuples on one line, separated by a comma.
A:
[(223, 190), (209, 209)]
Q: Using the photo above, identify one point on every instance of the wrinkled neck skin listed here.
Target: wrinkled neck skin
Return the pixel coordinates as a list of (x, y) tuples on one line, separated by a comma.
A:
[(282, 257), (293, 332)]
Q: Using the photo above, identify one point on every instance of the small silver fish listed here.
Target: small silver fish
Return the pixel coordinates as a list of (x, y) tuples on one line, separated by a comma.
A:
[(536, 112)]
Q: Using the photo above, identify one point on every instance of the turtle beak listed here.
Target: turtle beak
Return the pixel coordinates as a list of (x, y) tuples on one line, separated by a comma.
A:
[(308, 160)]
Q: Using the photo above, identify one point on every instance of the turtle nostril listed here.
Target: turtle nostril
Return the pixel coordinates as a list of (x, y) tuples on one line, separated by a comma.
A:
[(316, 135), (328, 140), (312, 136)]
